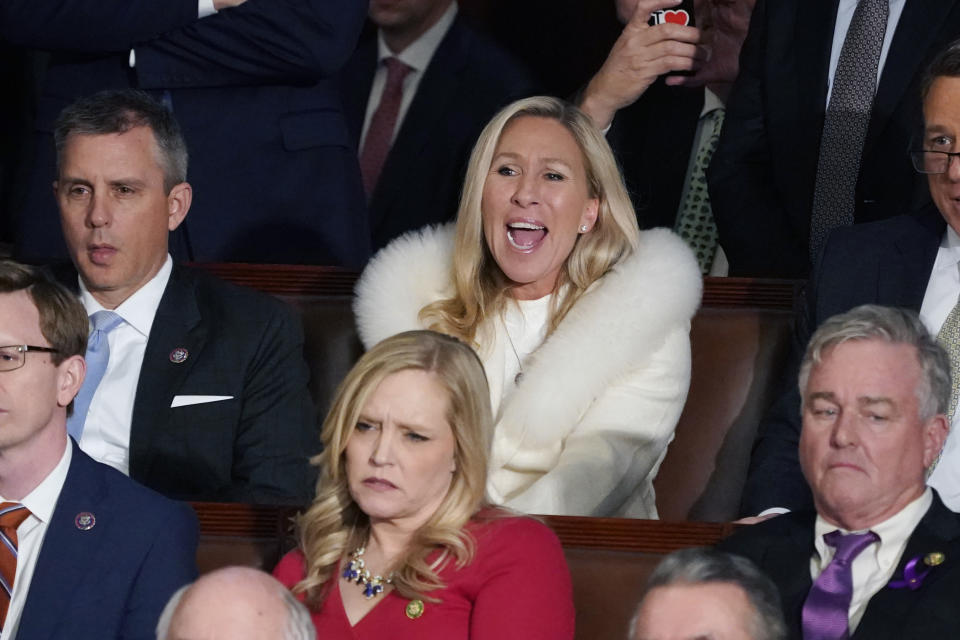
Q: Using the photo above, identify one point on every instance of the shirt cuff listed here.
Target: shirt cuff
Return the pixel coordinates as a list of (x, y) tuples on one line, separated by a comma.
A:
[(773, 511), (205, 8)]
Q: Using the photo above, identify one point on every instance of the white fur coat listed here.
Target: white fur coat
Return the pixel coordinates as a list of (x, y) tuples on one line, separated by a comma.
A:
[(585, 431)]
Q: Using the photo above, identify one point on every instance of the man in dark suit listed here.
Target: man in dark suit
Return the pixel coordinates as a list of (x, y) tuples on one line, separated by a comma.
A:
[(763, 174), (906, 261), (254, 88), (458, 79), (660, 122), (203, 393), (95, 555), (873, 560)]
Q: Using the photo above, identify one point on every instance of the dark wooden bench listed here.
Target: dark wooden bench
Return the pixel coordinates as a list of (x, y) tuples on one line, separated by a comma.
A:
[(739, 339), (609, 558)]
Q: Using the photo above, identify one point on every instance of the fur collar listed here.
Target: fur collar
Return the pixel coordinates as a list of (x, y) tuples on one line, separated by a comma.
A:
[(612, 329)]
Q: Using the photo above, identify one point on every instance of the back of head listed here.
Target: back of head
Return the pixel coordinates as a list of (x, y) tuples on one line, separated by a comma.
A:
[(63, 320), (706, 567), (118, 111), (235, 603)]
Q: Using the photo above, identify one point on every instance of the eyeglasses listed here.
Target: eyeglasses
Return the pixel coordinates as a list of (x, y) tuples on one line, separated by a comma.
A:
[(15, 355), (932, 161)]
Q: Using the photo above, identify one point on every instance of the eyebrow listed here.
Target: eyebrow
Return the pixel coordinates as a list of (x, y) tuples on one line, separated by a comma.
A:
[(512, 154), (870, 401)]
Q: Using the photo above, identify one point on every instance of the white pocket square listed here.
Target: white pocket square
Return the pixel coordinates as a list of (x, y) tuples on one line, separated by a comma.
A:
[(183, 401)]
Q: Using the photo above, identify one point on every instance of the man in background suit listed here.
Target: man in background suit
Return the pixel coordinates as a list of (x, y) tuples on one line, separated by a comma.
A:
[(454, 81), (877, 559), (94, 555), (762, 177), (660, 122), (907, 261), (254, 88), (204, 387)]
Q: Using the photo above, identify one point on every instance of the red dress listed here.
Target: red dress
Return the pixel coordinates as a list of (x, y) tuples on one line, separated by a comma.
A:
[(517, 587)]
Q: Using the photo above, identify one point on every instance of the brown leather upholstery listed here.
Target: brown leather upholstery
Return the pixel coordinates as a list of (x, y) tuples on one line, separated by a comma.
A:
[(609, 558), (740, 340)]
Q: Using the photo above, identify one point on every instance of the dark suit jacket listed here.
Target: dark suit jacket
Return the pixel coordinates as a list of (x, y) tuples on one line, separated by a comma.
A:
[(254, 90), (652, 140), (886, 262), (782, 548), (252, 448), (763, 172), (469, 78), (113, 580)]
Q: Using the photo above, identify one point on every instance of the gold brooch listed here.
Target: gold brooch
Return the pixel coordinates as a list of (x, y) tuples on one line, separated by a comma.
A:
[(934, 558), (414, 609)]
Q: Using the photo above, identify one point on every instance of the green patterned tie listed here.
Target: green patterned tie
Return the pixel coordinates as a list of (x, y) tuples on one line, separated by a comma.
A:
[(949, 339), (695, 220)]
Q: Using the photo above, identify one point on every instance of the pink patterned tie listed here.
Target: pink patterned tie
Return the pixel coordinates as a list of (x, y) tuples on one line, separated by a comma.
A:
[(827, 608), (380, 132)]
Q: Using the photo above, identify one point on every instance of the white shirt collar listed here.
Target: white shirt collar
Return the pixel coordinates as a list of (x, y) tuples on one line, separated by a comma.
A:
[(893, 532), (43, 499), (139, 309), (418, 54), (711, 102)]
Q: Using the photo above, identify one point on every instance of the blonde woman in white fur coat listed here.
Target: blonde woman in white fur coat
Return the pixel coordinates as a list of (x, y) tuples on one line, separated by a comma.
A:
[(581, 321)]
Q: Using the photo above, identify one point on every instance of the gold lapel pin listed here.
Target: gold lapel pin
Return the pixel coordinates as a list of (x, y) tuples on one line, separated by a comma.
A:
[(415, 609), (934, 558)]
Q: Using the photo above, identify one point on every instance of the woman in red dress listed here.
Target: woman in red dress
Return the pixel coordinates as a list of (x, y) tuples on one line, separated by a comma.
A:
[(400, 541)]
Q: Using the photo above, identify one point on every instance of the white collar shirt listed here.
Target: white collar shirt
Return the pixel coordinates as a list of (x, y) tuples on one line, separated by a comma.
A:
[(30, 535), (106, 432), (844, 18), (417, 56), (942, 294), (874, 566)]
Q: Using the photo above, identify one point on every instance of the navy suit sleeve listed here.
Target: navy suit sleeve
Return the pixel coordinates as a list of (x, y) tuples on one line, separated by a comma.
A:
[(278, 428), (752, 222), (170, 563), (258, 42), (91, 25)]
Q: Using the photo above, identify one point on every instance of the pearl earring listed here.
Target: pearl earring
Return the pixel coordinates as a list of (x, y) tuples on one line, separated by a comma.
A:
[(583, 228)]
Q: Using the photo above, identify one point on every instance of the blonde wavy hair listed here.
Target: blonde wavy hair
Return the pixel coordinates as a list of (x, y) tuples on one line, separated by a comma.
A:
[(480, 286), (334, 525)]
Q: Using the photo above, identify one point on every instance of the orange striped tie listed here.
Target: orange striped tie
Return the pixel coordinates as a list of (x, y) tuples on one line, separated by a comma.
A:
[(11, 515)]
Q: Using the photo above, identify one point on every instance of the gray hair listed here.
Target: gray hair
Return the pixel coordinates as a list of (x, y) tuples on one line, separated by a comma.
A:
[(118, 111), (299, 625), (895, 326), (708, 566)]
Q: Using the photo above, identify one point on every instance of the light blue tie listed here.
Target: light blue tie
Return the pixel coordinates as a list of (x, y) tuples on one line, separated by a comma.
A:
[(98, 354)]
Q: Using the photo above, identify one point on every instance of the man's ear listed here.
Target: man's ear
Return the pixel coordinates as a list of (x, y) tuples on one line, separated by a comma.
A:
[(935, 432), (70, 375), (178, 203)]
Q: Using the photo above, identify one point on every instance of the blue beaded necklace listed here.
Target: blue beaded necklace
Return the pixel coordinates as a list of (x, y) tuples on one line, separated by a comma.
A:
[(356, 572)]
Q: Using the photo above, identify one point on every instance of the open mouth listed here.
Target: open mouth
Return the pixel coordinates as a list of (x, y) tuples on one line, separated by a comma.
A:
[(524, 236)]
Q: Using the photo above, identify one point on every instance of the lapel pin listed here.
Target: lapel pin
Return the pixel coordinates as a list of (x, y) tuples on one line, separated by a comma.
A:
[(934, 558), (179, 355), (85, 521), (415, 609)]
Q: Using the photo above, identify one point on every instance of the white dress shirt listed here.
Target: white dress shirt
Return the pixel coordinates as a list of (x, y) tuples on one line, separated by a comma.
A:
[(943, 291), (30, 534), (844, 18), (106, 432), (417, 56), (874, 567)]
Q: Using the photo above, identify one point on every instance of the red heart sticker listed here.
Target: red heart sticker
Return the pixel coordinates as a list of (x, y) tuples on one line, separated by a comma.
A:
[(678, 16)]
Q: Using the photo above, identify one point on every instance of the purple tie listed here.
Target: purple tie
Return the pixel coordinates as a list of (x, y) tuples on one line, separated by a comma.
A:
[(826, 611), (384, 121)]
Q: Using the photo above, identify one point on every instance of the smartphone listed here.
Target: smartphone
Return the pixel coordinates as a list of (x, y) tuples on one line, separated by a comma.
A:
[(678, 15)]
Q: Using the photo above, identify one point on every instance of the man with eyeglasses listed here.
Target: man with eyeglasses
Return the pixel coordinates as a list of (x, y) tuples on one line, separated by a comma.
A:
[(910, 261), (85, 552)]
